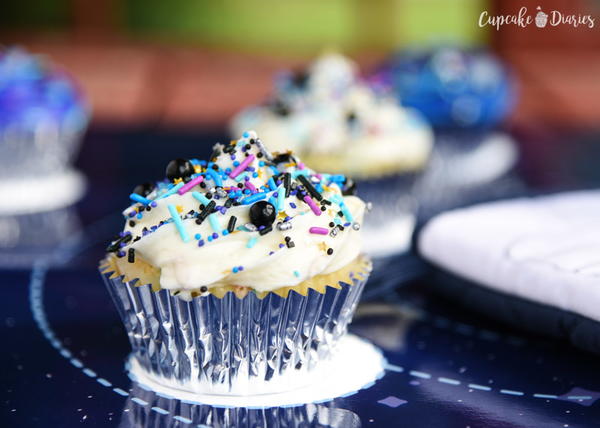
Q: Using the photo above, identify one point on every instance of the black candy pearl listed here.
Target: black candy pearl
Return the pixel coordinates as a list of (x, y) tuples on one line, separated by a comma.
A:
[(179, 168), (351, 117), (349, 188), (262, 213), (144, 189)]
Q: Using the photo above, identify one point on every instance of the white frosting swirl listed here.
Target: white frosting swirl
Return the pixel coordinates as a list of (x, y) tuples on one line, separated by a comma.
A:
[(246, 258)]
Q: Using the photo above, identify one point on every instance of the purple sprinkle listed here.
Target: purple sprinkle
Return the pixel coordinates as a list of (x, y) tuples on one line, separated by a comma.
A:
[(293, 205), (132, 214), (232, 157), (275, 194), (246, 178), (121, 234), (271, 253), (346, 224), (261, 227), (153, 204), (201, 242), (121, 254), (293, 192), (281, 245), (215, 235), (240, 268)]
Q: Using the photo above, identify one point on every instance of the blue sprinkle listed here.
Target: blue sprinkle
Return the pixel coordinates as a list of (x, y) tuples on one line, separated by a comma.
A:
[(236, 163), (139, 216), (209, 238), (246, 134), (178, 223), (253, 198), (225, 232), (138, 198), (197, 236), (235, 269), (251, 242), (296, 273)]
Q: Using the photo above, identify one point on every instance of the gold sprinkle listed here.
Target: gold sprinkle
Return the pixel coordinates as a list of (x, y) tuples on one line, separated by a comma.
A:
[(197, 169), (179, 208), (177, 180)]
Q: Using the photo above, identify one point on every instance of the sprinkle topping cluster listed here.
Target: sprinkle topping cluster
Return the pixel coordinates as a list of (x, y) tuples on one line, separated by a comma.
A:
[(242, 189)]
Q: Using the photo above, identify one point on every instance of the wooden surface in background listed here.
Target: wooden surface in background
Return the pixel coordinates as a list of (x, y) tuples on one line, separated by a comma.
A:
[(133, 84)]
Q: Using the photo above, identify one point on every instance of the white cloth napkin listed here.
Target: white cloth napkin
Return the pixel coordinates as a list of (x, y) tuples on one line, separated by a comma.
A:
[(544, 249)]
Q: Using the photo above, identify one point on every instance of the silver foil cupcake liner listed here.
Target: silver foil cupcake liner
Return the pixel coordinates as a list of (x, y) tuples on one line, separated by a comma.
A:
[(41, 150), (231, 345), (146, 409)]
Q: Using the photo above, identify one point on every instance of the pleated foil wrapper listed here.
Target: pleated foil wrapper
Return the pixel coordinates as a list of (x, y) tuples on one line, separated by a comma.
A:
[(43, 149), (231, 345), (144, 408)]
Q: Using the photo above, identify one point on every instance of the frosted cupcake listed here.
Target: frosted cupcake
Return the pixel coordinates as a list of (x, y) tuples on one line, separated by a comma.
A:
[(238, 275), (42, 116), (337, 122)]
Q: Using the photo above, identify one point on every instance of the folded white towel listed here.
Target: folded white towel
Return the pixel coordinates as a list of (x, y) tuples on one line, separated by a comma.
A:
[(544, 249)]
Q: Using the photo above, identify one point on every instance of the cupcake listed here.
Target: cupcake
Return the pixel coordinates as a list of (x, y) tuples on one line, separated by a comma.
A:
[(336, 121), (339, 123), (238, 275), (42, 116), (452, 88)]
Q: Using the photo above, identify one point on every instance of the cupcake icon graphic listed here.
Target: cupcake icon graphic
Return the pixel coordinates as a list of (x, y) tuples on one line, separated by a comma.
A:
[(541, 18)]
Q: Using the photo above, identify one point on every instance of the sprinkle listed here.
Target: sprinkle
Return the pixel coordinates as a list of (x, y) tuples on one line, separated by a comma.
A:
[(356, 226), (241, 177), (310, 188), (201, 198), (197, 236), (329, 251), (214, 222), (280, 199), (190, 184), (137, 198), (178, 223), (253, 198), (231, 224), (251, 242), (318, 230), (251, 186), (296, 273), (172, 190), (283, 226), (131, 255), (272, 184), (315, 209), (201, 243), (242, 166), (347, 213), (265, 230), (206, 211), (215, 176), (287, 183)]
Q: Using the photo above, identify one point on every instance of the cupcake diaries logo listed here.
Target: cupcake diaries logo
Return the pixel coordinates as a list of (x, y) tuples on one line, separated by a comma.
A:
[(540, 18)]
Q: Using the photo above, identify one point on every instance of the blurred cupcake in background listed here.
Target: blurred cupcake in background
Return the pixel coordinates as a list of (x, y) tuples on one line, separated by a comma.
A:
[(451, 87), (333, 119), (466, 95), (43, 116), (337, 122)]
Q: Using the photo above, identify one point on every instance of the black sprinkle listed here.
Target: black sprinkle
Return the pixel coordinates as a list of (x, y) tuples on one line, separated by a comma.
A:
[(340, 213), (286, 183), (203, 185), (323, 208), (326, 202), (290, 244), (331, 224), (131, 255), (341, 227), (310, 188), (116, 245), (228, 203), (203, 289), (148, 208), (287, 239), (231, 224), (259, 155), (330, 251), (131, 223), (265, 230), (206, 211)]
